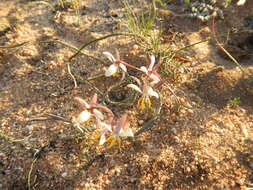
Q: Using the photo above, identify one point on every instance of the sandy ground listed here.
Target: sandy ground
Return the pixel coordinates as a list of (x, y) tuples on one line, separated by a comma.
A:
[(209, 146)]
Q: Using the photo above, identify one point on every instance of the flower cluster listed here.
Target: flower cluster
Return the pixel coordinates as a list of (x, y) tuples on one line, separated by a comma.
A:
[(112, 129), (149, 79)]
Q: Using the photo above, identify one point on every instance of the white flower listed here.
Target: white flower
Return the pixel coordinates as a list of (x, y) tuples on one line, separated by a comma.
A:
[(150, 72), (241, 2), (115, 66), (98, 114), (89, 110), (83, 116), (115, 131), (121, 130), (105, 128), (146, 92)]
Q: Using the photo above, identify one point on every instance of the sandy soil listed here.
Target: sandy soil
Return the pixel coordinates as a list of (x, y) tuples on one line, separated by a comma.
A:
[(207, 147)]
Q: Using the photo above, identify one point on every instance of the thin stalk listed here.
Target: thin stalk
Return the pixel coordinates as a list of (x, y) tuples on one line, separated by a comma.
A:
[(149, 124), (102, 38), (13, 46), (223, 49), (30, 173), (8, 138), (75, 48)]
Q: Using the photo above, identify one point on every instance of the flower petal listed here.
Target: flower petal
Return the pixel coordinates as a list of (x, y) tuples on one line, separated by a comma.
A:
[(116, 130), (83, 116), (152, 62), (126, 133), (98, 114), (135, 87), (241, 2), (154, 77), (109, 56), (151, 92), (153, 83), (136, 80), (111, 70), (94, 99), (82, 102), (102, 140), (112, 142), (123, 121), (105, 127), (123, 67), (144, 69)]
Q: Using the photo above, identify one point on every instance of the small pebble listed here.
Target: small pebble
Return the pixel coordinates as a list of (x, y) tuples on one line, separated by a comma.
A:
[(174, 130), (140, 122), (29, 128), (64, 174), (135, 47), (26, 52)]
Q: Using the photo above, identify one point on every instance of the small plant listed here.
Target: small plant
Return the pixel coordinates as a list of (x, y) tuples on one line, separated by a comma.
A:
[(111, 128), (141, 23), (235, 101), (74, 4), (113, 131), (141, 87), (146, 91)]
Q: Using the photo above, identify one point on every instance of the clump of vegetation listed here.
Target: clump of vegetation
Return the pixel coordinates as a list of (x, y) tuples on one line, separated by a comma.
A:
[(235, 101), (109, 127), (141, 27), (141, 23)]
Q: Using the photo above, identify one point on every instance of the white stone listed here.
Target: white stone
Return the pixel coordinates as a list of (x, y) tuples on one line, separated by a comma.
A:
[(64, 174)]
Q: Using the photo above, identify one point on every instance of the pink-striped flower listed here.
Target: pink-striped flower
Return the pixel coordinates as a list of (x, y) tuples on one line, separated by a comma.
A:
[(151, 72), (105, 129), (115, 66), (115, 131), (88, 110), (146, 91)]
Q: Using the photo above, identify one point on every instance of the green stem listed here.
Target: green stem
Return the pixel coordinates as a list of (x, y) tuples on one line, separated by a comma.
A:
[(188, 46), (14, 46), (102, 38), (87, 81), (6, 137), (149, 124), (75, 48), (126, 102), (30, 173)]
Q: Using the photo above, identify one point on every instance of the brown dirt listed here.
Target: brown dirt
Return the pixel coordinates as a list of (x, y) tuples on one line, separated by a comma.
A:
[(208, 147)]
